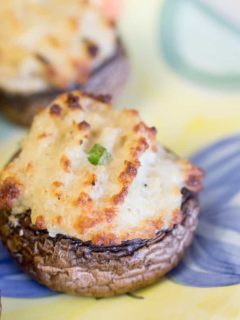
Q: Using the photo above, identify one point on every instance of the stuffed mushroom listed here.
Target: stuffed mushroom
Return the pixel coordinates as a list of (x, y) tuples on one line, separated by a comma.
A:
[(92, 204), (55, 46)]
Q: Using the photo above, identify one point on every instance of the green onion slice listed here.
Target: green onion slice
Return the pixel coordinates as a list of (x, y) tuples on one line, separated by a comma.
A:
[(98, 155)]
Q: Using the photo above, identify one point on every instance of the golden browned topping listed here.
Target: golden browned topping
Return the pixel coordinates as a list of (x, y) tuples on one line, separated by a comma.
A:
[(73, 101), (9, 192), (65, 163), (96, 174), (55, 110), (40, 222), (83, 125)]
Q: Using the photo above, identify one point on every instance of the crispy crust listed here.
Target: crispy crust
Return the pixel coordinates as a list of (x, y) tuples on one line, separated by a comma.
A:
[(70, 265), (11, 187), (109, 78)]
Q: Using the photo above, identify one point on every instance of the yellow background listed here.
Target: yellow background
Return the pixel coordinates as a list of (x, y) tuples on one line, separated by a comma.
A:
[(188, 117)]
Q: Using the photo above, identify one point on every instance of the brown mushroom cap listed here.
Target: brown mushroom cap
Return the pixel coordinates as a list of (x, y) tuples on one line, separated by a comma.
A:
[(109, 78), (69, 265)]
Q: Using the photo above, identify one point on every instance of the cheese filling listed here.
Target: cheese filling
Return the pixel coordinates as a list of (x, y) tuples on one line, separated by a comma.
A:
[(134, 195), (51, 43)]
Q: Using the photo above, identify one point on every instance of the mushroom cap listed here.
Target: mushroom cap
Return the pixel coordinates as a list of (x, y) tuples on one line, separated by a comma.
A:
[(69, 265)]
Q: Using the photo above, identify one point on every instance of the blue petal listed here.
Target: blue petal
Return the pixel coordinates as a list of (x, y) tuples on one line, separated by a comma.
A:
[(16, 284), (214, 257)]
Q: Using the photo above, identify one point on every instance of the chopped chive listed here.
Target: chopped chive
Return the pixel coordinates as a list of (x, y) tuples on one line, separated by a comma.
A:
[(98, 155)]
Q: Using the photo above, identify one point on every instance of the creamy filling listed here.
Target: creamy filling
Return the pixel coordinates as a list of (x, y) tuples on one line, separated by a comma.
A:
[(68, 195), (44, 44)]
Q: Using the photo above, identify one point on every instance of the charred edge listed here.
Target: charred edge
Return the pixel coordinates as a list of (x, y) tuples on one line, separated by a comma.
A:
[(126, 247), (73, 101), (55, 109)]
